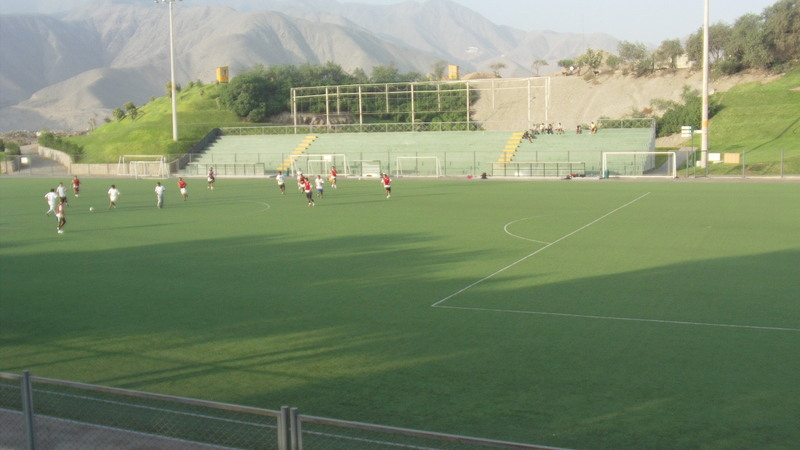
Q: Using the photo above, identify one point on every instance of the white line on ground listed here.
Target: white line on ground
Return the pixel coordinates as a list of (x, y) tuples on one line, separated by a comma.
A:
[(539, 250), (505, 228), (630, 319)]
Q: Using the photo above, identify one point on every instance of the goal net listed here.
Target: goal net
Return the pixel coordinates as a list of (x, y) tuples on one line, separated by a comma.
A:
[(143, 166), (639, 164), (321, 164), (417, 166), (365, 168)]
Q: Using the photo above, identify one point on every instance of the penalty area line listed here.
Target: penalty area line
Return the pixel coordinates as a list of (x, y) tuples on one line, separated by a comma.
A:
[(629, 319), (539, 250)]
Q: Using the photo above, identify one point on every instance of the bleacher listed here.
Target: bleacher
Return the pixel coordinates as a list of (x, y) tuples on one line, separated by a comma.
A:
[(458, 152)]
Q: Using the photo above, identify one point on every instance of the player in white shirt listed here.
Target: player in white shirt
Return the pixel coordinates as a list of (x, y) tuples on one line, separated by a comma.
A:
[(113, 196), (61, 190), (281, 182), (160, 188), (319, 182), (52, 201)]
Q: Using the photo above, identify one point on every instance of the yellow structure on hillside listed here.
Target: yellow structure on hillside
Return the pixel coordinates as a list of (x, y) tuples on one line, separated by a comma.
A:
[(223, 74)]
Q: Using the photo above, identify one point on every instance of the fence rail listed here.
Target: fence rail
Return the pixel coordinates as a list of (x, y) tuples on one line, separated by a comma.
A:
[(37, 412)]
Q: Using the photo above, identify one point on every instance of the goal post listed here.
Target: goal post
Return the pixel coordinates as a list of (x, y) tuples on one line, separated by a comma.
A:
[(418, 166), (639, 165), (143, 166), (321, 163)]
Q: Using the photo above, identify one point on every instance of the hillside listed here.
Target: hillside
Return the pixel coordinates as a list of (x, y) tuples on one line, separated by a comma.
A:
[(574, 99), (65, 72)]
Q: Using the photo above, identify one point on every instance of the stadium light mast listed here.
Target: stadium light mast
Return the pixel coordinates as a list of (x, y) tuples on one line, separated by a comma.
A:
[(704, 123), (173, 91)]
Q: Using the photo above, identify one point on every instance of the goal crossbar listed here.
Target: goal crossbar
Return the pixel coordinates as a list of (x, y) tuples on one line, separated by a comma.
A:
[(417, 166), (143, 166), (320, 163)]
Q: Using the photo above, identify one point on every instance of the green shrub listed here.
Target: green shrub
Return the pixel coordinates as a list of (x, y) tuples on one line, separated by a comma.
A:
[(49, 140)]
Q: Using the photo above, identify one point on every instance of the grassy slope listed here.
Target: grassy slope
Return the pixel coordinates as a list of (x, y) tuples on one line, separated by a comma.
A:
[(762, 120), (151, 132), (246, 296)]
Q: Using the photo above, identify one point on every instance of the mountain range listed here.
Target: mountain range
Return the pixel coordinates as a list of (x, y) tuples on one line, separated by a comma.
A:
[(66, 71)]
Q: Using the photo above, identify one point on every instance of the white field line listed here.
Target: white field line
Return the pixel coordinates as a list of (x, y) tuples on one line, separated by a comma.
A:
[(505, 228), (261, 210), (539, 250), (630, 319)]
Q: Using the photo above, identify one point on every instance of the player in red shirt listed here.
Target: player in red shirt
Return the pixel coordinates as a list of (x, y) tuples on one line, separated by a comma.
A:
[(387, 184), (307, 190), (333, 177), (61, 214), (182, 187), (76, 186)]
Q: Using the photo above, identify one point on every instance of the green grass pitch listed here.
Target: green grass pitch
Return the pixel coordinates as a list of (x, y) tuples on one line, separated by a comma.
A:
[(573, 313)]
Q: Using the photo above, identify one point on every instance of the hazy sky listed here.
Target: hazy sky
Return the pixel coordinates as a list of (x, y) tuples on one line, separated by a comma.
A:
[(647, 21)]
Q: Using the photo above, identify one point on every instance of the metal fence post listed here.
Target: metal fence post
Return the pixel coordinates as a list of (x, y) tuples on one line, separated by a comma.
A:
[(27, 408), (744, 166), (283, 429), (297, 436)]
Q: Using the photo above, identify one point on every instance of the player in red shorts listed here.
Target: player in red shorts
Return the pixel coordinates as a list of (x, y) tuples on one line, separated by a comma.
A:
[(76, 186)]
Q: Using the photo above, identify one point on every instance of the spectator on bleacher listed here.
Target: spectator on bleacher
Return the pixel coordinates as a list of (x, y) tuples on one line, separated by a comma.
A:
[(578, 129), (593, 127), (527, 135), (549, 128), (559, 128)]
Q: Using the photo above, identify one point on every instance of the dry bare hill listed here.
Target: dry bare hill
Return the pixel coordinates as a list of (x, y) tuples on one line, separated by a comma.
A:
[(574, 99), (63, 72)]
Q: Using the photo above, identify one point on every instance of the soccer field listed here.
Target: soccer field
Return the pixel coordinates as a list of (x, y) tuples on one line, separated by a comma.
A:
[(581, 314)]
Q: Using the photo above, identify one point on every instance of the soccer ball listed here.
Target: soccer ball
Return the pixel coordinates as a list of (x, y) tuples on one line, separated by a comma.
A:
[(91, 209)]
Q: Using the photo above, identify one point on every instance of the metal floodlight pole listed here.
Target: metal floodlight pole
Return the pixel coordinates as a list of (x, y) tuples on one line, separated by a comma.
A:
[(704, 126), (173, 87)]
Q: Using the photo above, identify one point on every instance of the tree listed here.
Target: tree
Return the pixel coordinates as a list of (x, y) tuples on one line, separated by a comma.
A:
[(782, 26), (118, 114), (566, 63), (613, 61), (718, 35), (385, 74), (747, 45), (637, 57), (496, 67), (132, 110), (537, 64), (168, 88), (590, 58), (669, 51), (438, 70)]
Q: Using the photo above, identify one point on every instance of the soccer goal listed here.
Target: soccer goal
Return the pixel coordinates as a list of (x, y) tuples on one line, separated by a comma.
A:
[(321, 163), (365, 168), (417, 166), (639, 164), (143, 166)]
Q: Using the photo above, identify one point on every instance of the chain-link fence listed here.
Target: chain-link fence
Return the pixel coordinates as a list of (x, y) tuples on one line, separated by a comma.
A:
[(44, 413)]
